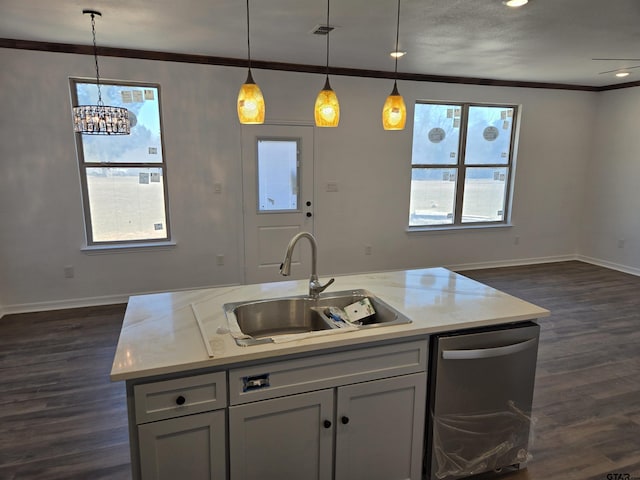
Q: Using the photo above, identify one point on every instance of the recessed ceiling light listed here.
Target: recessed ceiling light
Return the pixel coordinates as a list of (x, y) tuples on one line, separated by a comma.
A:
[(622, 74), (398, 54), (515, 3)]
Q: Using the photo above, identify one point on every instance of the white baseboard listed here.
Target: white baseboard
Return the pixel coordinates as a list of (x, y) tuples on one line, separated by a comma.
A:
[(63, 304), (511, 263), (85, 302), (612, 265), (116, 299)]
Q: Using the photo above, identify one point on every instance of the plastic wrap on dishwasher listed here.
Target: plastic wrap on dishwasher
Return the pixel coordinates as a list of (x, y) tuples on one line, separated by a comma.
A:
[(465, 445)]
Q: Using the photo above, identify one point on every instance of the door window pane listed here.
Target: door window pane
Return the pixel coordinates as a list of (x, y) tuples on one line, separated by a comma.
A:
[(277, 175), (436, 134), (484, 194), (488, 135), (433, 192), (126, 203)]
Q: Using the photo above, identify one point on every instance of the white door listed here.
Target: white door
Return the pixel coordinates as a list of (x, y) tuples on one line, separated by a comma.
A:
[(277, 166)]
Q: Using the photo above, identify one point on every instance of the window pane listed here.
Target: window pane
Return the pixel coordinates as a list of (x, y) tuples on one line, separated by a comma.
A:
[(488, 135), (143, 145), (436, 131), (433, 192), (484, 194), (277, 175), (126, 203)]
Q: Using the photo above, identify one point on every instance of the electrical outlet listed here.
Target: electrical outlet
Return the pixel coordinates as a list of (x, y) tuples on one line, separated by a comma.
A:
[(332, 187), (217, 188), (621, 243), (516, 240), (69, 271), (368, 249), (220, 259)]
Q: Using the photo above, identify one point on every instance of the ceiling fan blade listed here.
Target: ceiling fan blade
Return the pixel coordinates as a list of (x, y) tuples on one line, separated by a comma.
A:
[(619, 69), (619, 59)]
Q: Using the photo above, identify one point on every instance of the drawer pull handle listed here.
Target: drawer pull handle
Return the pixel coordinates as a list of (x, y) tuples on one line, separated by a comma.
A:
[(344, 420), (180, 400), (327, 424)]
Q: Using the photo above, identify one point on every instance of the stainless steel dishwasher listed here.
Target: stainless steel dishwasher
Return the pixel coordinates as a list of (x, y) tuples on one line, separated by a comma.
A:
[(479, 402)]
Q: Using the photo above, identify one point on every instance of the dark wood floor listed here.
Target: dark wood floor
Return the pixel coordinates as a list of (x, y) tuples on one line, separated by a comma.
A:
[(61, 417), (587, 396)]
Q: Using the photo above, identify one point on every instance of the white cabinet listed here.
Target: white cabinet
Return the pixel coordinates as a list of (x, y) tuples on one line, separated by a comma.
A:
[(181, 428), (190, 447), (346, 415), (372, 429), (379, 429), (283, 438)]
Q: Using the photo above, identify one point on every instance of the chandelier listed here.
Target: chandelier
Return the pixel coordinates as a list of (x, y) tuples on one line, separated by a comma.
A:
[(100, 119)]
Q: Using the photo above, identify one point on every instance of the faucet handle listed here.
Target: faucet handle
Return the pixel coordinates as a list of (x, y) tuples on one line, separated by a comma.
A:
[(324, 287)]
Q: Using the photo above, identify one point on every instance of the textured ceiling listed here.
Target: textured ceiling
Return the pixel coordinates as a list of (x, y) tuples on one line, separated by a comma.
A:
[(550, 41)]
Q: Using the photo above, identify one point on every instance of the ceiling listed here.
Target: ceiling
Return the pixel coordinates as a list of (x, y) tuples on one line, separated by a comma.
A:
[(551, 41)]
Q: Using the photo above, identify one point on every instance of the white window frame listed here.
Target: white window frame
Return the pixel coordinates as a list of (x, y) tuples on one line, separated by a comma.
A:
[(83, 166), (461, 169)]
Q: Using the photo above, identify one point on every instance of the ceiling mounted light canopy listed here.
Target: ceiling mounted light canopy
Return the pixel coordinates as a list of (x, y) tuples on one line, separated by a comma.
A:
[(394, 111), (100, 119), (251, 108), (327, 107)]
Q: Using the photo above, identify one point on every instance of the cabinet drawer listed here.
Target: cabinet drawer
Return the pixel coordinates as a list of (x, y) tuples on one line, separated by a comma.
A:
[(182, 396), (288, 377)]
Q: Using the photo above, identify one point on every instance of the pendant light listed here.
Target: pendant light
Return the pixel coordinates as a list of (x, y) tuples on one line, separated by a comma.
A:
[(250, 100), (327, 108), (100, 119), (394, 111)]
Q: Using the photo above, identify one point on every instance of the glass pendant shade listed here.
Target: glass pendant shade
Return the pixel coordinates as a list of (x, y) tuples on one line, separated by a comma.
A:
[(250, 103), (327, 109), (394, 111)]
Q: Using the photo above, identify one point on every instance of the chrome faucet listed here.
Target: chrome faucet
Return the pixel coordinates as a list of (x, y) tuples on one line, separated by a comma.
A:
[(315, 287)]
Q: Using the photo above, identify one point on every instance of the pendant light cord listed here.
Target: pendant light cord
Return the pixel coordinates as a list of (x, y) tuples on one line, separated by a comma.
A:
[(248, 38), (397, 36), (95, 57), (328, 32)]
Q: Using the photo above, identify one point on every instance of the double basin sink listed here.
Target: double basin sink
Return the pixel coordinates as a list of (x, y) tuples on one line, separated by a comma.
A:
[(259, 321)]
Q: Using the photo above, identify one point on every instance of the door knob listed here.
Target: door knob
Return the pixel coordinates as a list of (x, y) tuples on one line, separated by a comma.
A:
[(344, 420), (327, 424), (309, 214)]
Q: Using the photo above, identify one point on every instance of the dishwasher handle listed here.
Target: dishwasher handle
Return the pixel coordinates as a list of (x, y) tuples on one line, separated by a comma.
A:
[(488, 352)]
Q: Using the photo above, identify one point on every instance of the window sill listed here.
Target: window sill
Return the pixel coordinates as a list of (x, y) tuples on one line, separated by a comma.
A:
[(455, 228), (127, 248)]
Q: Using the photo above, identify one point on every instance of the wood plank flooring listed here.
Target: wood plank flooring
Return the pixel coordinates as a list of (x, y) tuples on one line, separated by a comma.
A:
[(61, 417)]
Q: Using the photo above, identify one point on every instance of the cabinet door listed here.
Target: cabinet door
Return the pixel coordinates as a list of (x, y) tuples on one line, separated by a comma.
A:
[(283, 438), (190, 447), (380, 429)]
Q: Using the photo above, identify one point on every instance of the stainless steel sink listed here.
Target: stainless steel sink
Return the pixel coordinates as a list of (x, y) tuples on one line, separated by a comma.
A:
[(259, 321)]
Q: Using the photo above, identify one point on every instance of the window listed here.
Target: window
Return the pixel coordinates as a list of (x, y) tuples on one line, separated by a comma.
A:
[(277, 175), (461, 164), (124, 177)]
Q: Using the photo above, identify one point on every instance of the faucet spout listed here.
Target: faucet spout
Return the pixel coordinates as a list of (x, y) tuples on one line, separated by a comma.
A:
[(315, 287)]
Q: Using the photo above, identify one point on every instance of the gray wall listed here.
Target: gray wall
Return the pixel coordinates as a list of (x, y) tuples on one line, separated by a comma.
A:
[(40, 200), (612, 201)]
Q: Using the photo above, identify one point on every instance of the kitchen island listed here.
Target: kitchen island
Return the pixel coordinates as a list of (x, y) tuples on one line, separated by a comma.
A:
[(196, 398)]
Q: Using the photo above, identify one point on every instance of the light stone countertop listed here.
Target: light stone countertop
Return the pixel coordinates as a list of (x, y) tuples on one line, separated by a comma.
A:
[(160, 333)]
